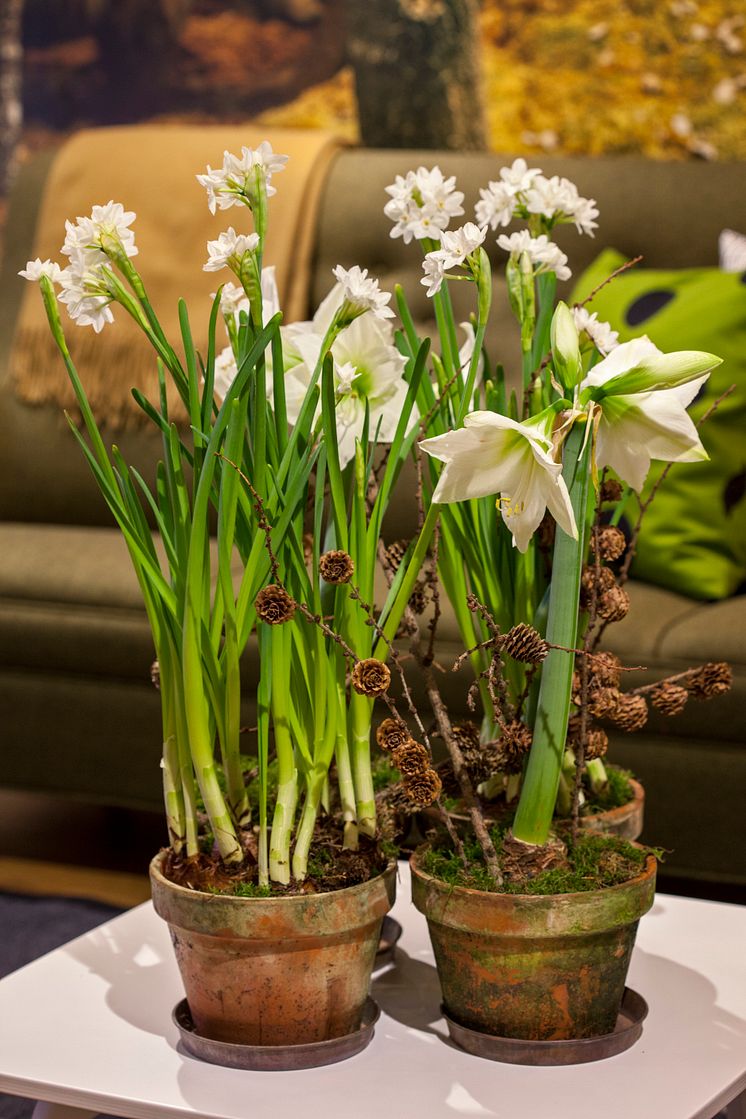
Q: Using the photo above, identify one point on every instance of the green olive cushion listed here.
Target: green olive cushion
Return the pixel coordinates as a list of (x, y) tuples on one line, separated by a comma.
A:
[(693, 538)]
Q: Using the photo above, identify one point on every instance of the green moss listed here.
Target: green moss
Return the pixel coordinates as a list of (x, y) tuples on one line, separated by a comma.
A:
[(596, 861), (249, 890), (616, 792), (383, 772), (318, 863)]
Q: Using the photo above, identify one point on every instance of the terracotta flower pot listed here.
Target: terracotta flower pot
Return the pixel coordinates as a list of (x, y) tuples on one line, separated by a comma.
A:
[(275, 971), (538, 968)]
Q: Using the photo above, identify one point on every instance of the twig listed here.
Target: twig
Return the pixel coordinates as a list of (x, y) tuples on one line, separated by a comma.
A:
[(617, 272)]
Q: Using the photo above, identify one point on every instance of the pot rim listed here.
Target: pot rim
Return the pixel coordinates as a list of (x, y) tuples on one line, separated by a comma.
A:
[(299, 899), (651, 865)]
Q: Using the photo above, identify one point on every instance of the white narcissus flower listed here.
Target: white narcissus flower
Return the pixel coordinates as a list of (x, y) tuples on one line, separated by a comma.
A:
[(467, 350), (543, 253), (558, 200), (360, 293), (233, 299), (637, 425), (229, 250), (35, 269), (85, 294), (105, 230), (492, 454), (456, 247), (599, 332), (498, 201), (519, 177), (225, 371), (422, 204), (235, 183)]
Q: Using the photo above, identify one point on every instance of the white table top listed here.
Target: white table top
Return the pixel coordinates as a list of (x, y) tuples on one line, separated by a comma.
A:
[(89, 1025)]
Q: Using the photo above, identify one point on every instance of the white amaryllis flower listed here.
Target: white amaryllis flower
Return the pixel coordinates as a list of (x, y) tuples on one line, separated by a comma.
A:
[(642, 395), (456, 247), (492, 454), (230, 250), (360, 293), (35, 269), (600, 333), (543, 253), (106, 231), (226, 369), (235, 183), (422, 204), (467, 350)]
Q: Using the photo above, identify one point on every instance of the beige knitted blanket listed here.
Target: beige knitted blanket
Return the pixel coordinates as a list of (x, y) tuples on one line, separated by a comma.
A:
[(151, 169)]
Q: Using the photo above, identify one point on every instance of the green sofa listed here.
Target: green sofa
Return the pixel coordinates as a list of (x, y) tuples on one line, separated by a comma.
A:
[(78, 713)]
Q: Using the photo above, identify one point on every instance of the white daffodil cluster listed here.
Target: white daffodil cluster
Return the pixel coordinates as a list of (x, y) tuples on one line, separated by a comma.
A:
[(544, 255), (457, 249), (599, 333), (524, 192), (241, 178), (422, 204), (91, 244)]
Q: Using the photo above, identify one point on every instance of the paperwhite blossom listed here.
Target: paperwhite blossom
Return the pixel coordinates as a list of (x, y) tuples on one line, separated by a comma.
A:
[(492, 454), (105, 230), (543, 253), (557, 200), (229, 250), (600, 333), (422, 204), (519, 176), (35, 269), (225, 371), (85, 294), (456, 247), (234, 184), (234, 300), (638, 426), (467, 350), (499, 200), (360, 293)]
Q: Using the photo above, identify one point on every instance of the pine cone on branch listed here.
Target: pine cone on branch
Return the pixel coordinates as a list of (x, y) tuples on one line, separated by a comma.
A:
[(391, 734), (336, 567), (410, 759), (668, 698), (371, 677), (714, 678), (274, 605), (424, 788), (631, 713), (525, 644)]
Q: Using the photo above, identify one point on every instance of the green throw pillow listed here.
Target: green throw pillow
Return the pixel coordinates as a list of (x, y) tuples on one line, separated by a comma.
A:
[(693, 538)]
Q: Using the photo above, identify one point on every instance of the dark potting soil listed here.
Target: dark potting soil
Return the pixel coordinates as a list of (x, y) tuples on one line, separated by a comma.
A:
[(330, 867), (593, 862)]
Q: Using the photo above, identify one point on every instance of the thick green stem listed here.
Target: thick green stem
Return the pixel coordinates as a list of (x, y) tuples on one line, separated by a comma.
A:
[(360, 712), (314, 791), (539, 792), (287, 774), (597, 774), (346, 792)]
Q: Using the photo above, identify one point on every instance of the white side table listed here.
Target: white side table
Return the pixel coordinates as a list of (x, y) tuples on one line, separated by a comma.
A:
[(87, 1029)]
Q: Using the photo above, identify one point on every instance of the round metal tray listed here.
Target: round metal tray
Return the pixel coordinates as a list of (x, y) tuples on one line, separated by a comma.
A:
[(517, 1051), (278, 1058)]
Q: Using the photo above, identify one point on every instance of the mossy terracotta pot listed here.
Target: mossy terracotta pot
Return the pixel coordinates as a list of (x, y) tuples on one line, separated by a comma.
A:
[(275, 971), (626, 820), (541, 968)]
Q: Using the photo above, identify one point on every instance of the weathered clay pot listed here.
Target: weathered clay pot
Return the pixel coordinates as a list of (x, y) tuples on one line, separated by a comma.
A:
[(275, 971), (539, 968), (626, 821)]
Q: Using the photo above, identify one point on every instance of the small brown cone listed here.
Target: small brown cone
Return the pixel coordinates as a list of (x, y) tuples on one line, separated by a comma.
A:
[(613, 605), (513, 745), (631, 713), (603, 581), (669, 699), (605, 670), (611, 490), (391, 734), (603, 702), (596, 744), (418, 599), (611, 543), (714, 678), (424, 788), (523, 643), (371, 677), (395, 553), (410, 758), (336, 567), (274, 605)]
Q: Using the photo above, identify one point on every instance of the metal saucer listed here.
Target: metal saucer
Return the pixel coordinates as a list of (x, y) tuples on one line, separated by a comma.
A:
[(277, 1058), (391, 931), (517, 1051)]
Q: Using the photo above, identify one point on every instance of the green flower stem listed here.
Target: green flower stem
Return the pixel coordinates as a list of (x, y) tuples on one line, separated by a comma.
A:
[(346, 791), (403, 595), (314, 791), (597, 774), (287, 774), (539, 792), (361, 709), (186, 770)]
